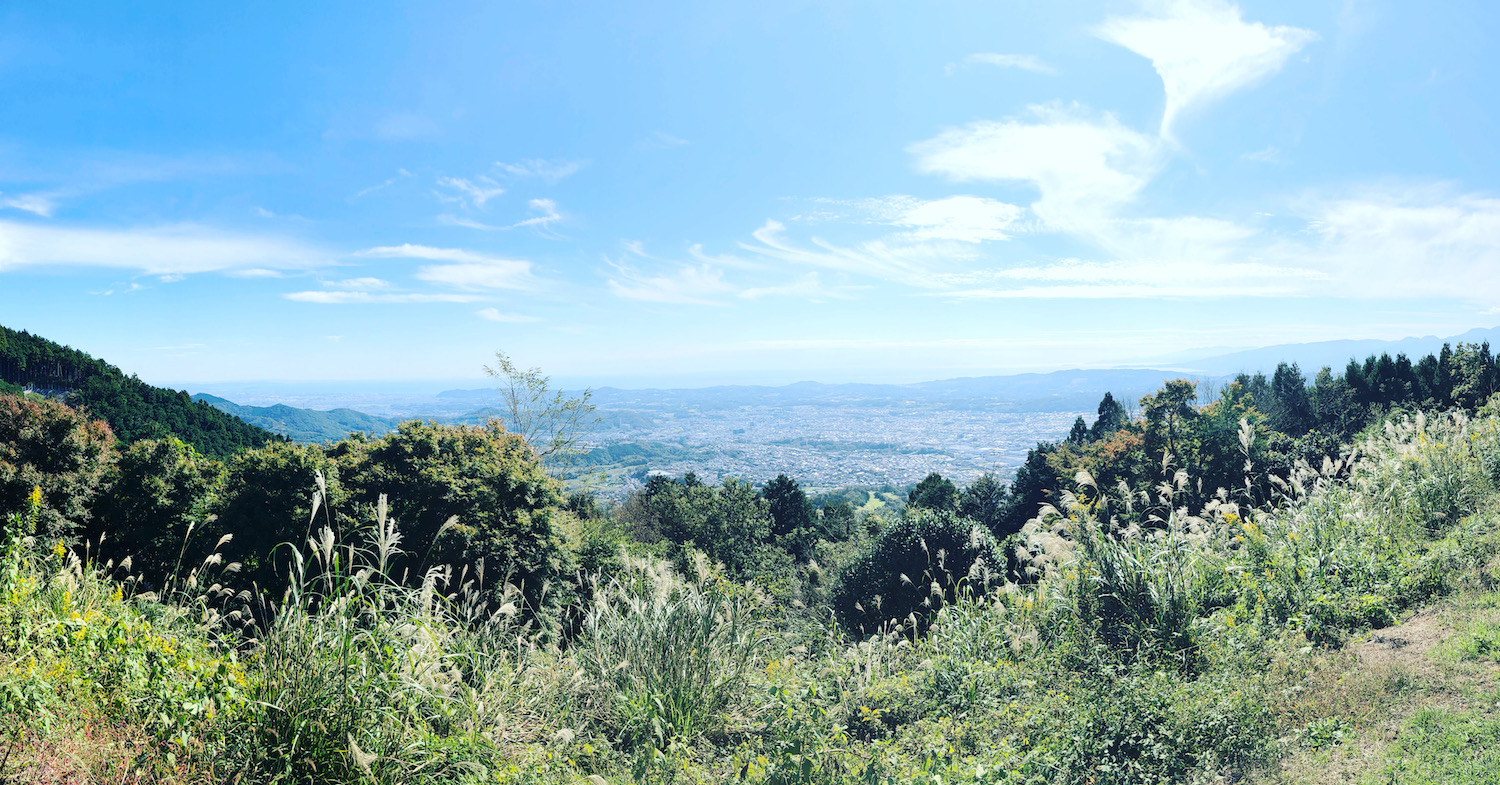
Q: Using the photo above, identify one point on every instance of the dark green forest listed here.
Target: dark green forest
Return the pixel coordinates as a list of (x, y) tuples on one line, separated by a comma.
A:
[(134, 410)]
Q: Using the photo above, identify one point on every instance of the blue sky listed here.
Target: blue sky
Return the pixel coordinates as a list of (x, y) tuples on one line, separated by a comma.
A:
[(688, 193)]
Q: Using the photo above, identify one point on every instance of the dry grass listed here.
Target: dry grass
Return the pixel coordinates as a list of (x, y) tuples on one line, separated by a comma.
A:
[(92, 752), (1376, 683)]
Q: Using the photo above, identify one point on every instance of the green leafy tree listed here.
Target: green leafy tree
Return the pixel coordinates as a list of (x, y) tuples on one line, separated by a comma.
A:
[(1167, 416), (1291, 410), (155, 507), (1112, 417), (837, 521), (550, 420), (267, 500), (1080, 433), (462, 495), (985, 501), (49, 445), (794, 521), (934, 492)]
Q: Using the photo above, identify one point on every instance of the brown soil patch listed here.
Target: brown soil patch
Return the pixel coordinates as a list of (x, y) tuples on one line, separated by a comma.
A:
[(1405, 644)]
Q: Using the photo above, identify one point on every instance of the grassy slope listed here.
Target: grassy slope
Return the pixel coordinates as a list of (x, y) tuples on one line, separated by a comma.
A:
[(1223, 650)]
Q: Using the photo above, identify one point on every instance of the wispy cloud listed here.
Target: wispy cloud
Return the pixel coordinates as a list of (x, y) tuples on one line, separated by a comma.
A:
[(41, 204), (1030, 63), (663, 140), (542, 223), (891, 259), (686, 285), (967, 219), (177, 249), (1265, 155), (339, 297), (473, 192), (548, 170), (464, 269), (401, 174), (810, 287), (494, 315), (1203, 49)]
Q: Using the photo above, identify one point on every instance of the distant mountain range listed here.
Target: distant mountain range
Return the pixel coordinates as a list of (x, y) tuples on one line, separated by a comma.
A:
[(304, 425), (1335, 354), (1059, 391)]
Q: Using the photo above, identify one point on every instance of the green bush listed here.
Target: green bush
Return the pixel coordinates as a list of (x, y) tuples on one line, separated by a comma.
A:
[(916, 565)]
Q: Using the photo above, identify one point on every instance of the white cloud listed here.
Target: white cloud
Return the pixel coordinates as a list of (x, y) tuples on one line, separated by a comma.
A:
[(42, 204), (254, 272), (465, 269), (551, 171), (347, 298), (1416, 242), (894, 259), (1030, 63), (494, 315), (1152, 278), (361, 284), (807, 287), (400, 174), (687, 285), (542, 223), (476, 193), (1267, 155), (1203, 49), (967, 219), (164, 250), (662, 140), (1084, 167)]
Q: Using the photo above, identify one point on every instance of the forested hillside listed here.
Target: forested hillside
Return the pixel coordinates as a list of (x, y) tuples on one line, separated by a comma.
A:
[(1185, 592), (304, 425), (134, 410)]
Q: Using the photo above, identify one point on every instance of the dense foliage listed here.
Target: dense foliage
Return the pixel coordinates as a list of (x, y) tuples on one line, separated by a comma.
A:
[(134, 410), (1142, 603)]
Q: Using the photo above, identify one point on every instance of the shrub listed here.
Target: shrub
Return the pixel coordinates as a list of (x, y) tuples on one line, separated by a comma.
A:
[(912, 568)]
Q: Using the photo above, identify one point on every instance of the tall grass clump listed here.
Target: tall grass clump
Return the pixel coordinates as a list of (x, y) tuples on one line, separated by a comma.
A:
[(667, 657), (358, 677)]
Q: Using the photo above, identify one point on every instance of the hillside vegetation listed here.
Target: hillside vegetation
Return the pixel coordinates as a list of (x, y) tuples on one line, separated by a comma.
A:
[(134, 410), (304, 425), (1199, 593)]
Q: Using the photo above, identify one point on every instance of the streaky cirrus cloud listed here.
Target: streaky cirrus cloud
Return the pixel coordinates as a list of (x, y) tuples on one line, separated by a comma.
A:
[(473, 192), (1030, 63), (542, 223), (549, 170), (1203, 49), (171, 250), (339, 297), (684, 285), (461, 268), (495, 315)]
